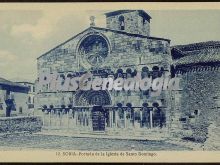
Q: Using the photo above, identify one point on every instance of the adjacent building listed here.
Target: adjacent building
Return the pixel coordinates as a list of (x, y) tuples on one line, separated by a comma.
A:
[(12, 96), (31, 94), (198, 101)]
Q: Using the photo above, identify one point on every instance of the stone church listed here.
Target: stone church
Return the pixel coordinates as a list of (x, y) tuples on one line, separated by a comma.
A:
[(122, 49)]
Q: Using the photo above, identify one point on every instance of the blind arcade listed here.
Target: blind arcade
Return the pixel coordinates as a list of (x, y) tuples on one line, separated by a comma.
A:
[(87, 81)]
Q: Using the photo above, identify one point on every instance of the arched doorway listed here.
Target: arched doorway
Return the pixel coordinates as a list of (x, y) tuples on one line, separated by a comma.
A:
[(97, 99)]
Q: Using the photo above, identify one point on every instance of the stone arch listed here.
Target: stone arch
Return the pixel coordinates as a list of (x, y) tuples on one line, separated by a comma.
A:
[(145, 69), (129, 70), (69, 75), (91, 97), (155, 68)]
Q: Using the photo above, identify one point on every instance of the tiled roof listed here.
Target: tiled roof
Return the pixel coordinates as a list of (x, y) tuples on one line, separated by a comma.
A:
[(10, 83), (203, 52), (198, 46)]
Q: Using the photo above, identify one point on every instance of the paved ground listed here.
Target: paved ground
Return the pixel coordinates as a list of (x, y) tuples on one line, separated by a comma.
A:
[(19, 142)]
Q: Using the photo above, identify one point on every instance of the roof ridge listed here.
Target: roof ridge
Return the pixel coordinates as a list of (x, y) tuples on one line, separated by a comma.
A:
[(102, 28), (64, 42), (124, 32), (199, 44), (5, 81)]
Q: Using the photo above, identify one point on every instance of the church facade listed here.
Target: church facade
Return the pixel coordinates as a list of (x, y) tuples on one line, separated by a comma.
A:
[(122, 49)]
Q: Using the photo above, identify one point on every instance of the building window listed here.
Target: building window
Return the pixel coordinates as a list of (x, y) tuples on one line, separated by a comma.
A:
[(122, 22), (20, 110), (29, 99), (196, 112), (144, 21), (183, 119)]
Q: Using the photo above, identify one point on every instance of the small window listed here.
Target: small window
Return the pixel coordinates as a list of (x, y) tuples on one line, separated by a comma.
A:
[(29, 99), (196, 112), (183, 119), (20, 110), (122, 22), (152, 49)]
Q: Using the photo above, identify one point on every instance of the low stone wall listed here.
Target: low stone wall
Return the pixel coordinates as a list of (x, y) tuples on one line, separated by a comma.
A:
[(213, 139), (20, 124), (199, 101)]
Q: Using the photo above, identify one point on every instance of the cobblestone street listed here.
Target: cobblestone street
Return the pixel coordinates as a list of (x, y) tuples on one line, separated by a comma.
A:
[(51, 142)]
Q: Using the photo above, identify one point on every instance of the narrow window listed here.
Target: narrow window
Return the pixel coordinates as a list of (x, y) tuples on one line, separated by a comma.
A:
[(143, 21), (20, 110), (29, 99), (196, 112), (122, 22)]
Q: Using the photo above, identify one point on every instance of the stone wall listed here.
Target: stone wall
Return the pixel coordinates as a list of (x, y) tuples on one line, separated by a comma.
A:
[(53, 98), (133, 23), (200, 101), (21, 103), (213, 137), (125, 50), (20, 124)]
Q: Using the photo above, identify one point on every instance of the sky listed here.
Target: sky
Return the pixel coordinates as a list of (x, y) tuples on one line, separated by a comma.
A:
[(27, 34)]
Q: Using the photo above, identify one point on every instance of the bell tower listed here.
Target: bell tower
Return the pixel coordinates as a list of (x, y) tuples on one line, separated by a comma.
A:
[(130, 21)]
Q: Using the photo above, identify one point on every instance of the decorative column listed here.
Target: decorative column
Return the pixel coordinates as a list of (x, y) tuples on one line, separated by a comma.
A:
[(125, 118), (141, 117), (128, 110), (145, 115), (57, 118), (109, 118), (112, 117), (135, 121), (83, 117), (116, 118), (61, 116), (151, 117), (90, 119), (67, 115), (71, 116), (43, 118), (76, 116), (87, 117), (50, 119)]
